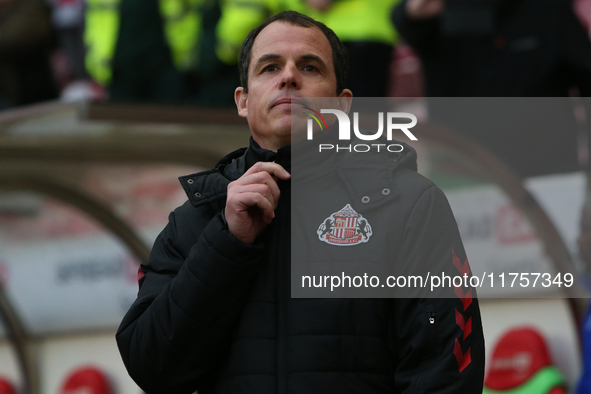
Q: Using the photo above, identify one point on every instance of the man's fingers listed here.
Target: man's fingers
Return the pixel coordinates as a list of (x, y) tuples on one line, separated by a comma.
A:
[(249, 200), (263, 189), (259, 178), (252, 199), (271, 168)]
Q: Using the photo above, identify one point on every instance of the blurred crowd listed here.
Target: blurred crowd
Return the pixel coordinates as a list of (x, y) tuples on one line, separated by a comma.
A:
[(165, 51), (185, 51)]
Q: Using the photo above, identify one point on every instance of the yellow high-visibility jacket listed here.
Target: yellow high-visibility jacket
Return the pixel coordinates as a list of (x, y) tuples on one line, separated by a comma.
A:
[(182, 25), (351, 20)]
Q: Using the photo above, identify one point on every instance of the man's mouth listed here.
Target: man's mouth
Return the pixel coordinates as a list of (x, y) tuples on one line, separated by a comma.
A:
[(288, 101)]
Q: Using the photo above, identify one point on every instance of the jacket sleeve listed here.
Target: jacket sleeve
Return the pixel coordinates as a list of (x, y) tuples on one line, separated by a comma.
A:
[(180, 326), (438, 341)]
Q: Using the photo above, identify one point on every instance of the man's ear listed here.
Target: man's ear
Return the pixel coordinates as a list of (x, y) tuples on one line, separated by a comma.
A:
[(344, 99), (241, 98)]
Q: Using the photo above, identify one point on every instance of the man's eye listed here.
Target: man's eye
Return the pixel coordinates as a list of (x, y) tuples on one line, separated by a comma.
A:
[(310, 68), (270, 68)]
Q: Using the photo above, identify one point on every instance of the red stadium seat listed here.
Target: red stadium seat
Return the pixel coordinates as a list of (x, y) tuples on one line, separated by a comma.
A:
[(6, 387), (87, 380), (521, 362)]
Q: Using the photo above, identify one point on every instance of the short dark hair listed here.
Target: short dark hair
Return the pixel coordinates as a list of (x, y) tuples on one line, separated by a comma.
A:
[(339, 52)]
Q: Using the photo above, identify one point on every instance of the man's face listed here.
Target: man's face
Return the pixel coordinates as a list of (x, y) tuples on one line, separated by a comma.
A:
[(287, 62)]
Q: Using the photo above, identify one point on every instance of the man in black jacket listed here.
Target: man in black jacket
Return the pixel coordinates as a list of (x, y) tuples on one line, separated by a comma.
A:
[(214, 312), (497, 48)]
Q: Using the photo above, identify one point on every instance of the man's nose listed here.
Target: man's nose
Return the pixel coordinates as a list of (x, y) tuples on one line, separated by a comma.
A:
[(290, 77)]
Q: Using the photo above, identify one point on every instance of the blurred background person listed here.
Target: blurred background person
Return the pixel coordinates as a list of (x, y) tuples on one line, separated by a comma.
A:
[(216, 72), (26, 37), (583, 10), (368, 34), (363, 26), (142, 50), (500, 48), (505, 48), (173, 51), (68, 65), (68, 20)]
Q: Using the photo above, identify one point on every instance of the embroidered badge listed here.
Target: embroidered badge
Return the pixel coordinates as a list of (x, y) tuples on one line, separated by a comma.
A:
[(344, 228)]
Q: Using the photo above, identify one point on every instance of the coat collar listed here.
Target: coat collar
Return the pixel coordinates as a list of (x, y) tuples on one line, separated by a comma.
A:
[(207, 186)]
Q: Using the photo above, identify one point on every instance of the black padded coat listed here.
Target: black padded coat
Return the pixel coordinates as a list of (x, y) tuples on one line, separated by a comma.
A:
[(215, 315)]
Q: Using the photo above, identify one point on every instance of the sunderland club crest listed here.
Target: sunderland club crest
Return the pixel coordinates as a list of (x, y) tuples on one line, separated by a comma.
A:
[(344, 228)]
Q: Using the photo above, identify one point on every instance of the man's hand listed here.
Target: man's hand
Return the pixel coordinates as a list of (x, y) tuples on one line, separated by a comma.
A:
[(252, 199), (424, 9)]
